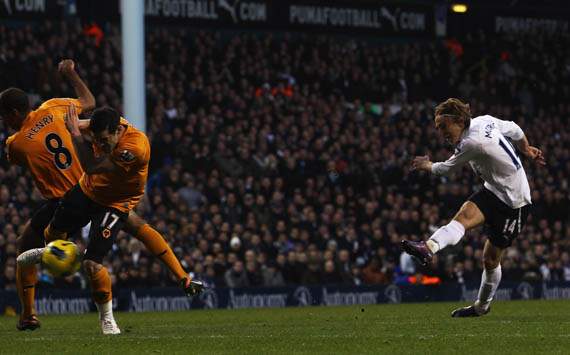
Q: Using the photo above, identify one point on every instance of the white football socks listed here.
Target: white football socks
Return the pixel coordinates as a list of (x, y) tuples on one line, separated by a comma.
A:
[(108, 323), (489, 284), (105, 309), (30, 257), (449, 234)]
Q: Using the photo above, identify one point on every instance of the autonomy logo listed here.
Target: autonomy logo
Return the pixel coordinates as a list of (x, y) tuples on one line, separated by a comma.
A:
[(526, 291), (303, 296), (210, 299), (393, 294)]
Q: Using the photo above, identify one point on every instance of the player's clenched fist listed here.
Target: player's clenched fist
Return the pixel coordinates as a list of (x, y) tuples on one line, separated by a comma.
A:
[(66, 66), (535, 154)]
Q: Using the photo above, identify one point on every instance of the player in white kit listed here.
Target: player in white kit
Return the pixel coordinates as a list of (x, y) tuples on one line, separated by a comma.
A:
[(502, 205)]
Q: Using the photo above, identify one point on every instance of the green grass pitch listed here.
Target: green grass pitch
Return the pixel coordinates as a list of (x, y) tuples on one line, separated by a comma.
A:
[(522, 327)]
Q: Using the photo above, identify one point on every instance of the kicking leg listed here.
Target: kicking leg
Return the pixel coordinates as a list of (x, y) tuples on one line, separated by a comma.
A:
[(469, 216), (154, 243), (157, 245)]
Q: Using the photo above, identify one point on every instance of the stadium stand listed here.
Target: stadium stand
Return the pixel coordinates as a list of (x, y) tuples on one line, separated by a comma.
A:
[(284, 158)]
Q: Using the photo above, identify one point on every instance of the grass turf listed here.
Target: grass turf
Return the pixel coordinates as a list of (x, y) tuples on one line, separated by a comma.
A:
[(512, 327)]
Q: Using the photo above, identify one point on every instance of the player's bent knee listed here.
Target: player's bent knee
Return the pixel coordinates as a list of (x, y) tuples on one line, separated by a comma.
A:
[(492, 255), (490, 264), (463, 219), (469, 215), (101, 296), (134, 224), (491, 259), (91, 267)]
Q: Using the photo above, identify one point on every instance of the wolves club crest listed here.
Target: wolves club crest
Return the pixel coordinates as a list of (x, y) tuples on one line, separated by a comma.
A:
[(127, 156)]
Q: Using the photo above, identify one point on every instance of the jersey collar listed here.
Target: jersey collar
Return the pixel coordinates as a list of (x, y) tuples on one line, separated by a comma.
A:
[(28, 118), (459, 144), (463, 135)]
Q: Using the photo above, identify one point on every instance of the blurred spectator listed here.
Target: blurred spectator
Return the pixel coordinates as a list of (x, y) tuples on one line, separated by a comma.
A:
[(372, 274), (236, 276), (331, 276), (272, 276), (8, 280)]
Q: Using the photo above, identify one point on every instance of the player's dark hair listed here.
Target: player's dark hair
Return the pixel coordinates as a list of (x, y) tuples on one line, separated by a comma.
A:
[(104, 118), (14, 99), (456, 108)]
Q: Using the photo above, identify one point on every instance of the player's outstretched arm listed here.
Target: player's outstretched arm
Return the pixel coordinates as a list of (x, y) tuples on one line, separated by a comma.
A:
[(464, 152), (67, 68)]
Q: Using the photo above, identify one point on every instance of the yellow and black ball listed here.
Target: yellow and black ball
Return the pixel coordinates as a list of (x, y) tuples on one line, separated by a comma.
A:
[(61, 258)]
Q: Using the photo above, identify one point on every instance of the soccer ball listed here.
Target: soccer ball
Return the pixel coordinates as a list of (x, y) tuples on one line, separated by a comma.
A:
[(61, 258)]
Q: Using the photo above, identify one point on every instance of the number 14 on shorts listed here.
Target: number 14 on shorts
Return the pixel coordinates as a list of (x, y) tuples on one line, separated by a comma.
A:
[(510, 225)]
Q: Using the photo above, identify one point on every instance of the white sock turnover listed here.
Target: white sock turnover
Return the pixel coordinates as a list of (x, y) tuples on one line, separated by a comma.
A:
[(489, 284), (105, 309), (450, 234)]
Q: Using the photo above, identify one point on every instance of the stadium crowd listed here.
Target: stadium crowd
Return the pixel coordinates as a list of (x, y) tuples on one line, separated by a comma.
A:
[(284, 159)]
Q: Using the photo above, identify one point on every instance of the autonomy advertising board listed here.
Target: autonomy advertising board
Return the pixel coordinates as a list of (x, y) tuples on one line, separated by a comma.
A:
[(171, 299)]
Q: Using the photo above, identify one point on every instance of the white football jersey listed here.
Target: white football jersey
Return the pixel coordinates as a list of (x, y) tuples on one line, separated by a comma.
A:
[(491, 155)]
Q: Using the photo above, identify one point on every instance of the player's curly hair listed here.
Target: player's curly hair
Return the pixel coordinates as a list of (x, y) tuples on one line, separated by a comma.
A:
[(104, 118), (455, 108), (14, 99)]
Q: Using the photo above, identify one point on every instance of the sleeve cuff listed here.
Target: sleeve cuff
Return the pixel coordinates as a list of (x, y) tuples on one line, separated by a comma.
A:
[(435, 168), (518, 135)]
